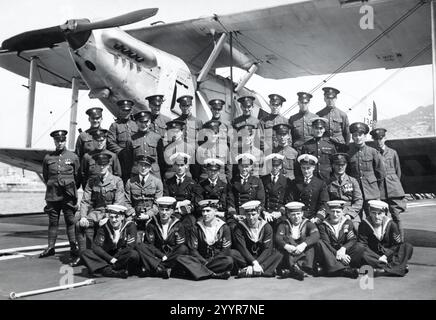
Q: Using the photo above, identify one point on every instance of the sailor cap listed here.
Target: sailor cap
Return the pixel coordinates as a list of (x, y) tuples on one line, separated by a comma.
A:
[(275, 157), (213, 203), (116, 208), (336, 204), (294, 206), (180, 157), (378, 204), (166, 201), (251, 205), (244, 157), (213, 163)]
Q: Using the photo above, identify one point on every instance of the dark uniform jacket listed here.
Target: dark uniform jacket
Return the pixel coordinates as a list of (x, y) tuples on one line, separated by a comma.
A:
[(391, 187), (120, 133), (366, 165), (347, 190), (219, 191), (301, 127), (276, 194), (322, 148), (254, 246), (314, 195), (337, 125), (220, 245), (171, 148), (243, 120), (258, 168), (346, 238), (193, 125), (308, 233), (187, 190), (266, 124), (89, 169), (104, 245), (240, 193), (159, 124), (225, 131), (84, 143), (289, 160), (142, 197), (61, 174), (389, 242), (147, 143), (154, 236), (218, 150), (98, 194)]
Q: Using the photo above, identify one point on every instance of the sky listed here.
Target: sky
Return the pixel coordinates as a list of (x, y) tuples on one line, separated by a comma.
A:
[(406, 89)]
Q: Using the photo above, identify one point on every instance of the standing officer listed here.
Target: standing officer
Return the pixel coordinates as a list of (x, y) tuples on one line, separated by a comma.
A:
[(214, 148), (385, 251), (338, 252), (186, 191), (60, 170), (246, 144), (113, 253), (164, 241), (320, 147), (192, 124), (100, 191), (296, 238), (277, 188), (146, 142), (267, 123), (176, 143), (210, 255), (158, 120), (337, 120), (284, 148), (88, 166), (213, 187), (216, 106), (301, 122), (120, 133), (366, 164), (343, 187), (247, 104), (255, 255), (244, 187), (391, 189), (142, 190), (84, 142), (310, 190)]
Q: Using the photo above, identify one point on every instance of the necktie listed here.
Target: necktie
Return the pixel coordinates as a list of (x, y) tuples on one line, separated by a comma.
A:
[(179, 181), (340, 180), (274, 179), (142, 181), (306, 180)]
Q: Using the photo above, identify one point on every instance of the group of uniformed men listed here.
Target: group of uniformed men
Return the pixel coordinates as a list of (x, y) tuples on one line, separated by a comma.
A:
[(286, 197)]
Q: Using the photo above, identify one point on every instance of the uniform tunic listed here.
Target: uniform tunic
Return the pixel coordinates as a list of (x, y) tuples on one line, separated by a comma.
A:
[(366, 166), (347, 190), (331, 241), (106, 246), (159, 243), (256, 244), (149, 144), (301, 127), (119, 134), (322, 148), (142, 196), (314, 195), (258, 165), (209, 250), (388, 243), (266, 126), (307, 232), (241, 192), (218, 150), (337, 126), (243, 120), (84, 143), (167, 165), (192, 126), (89, 168), (277, 194), (159, 124), (218, 190)]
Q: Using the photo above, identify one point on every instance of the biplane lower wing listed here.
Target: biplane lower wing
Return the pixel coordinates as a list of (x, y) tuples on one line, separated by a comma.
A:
[(29, 159)]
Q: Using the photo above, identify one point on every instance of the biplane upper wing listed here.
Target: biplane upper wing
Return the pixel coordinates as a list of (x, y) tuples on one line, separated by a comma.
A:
[(29, 159), (304, 38)]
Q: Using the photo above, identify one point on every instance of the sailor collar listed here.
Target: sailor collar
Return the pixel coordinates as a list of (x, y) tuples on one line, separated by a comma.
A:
[(254, 233)]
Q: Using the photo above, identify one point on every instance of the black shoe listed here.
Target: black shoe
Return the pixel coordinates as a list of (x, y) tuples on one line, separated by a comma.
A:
[(407, 269), (74, 250), (318, 271), (222, 275), (350, 273), (379, 272), (143, 273), (163, 273), (50, 251), (242, 273), (76, 262), (111, 273), (296, 273), (283, 273)]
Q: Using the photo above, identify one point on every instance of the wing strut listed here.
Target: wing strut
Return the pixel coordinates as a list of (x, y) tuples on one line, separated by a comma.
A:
[(73, 113), (246, 77), (31, 100), (209, 63), (433, 42)]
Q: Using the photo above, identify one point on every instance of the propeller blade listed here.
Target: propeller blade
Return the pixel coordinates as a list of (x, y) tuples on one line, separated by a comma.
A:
[(125, 19)]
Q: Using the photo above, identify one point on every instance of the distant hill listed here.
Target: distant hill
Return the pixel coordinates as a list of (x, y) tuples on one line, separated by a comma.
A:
[(417, 123)]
